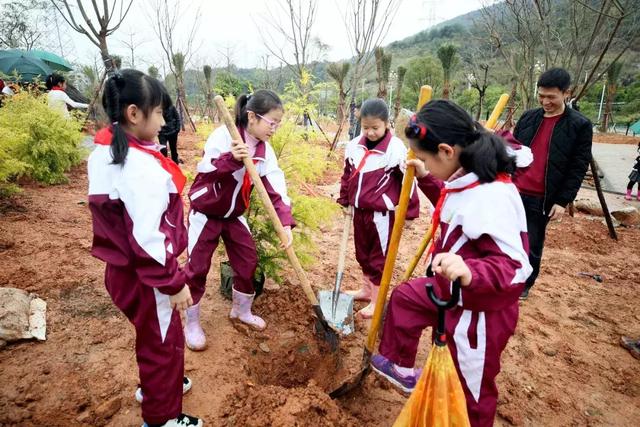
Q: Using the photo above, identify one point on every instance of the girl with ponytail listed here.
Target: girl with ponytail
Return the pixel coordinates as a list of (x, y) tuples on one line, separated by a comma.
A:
[(220, 196), (139, 232), (465, 172)]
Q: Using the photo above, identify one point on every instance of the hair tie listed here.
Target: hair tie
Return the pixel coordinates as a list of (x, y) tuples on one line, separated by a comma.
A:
[(415, 129), (115, 123)]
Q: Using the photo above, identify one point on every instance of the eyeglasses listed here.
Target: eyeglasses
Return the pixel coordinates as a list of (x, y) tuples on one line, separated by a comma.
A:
[(274, 125)]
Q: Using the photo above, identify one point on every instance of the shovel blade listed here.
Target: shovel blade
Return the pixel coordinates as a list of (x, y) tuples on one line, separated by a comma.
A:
[(342, 319), (356, 380)]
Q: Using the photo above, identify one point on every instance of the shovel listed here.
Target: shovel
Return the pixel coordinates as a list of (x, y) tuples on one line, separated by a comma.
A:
[(392, 252), (322, 327), (336, 306)]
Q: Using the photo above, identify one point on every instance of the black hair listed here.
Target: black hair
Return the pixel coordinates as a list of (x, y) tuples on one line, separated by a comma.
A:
[(444, 122), (124, 88), (375, 107), (54, 79), (260, 102), (555, 77)]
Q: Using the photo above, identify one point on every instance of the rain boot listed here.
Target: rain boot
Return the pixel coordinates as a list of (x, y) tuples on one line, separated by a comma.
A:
[(628, 195), (241, 310), (193, 333), (362, 294), (367, 312)]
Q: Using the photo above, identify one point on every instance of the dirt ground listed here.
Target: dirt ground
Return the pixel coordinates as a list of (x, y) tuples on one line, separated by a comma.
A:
[(614, 138), (563, 367)]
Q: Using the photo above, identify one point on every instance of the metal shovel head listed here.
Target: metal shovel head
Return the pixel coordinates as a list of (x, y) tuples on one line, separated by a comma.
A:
[(342, 319)]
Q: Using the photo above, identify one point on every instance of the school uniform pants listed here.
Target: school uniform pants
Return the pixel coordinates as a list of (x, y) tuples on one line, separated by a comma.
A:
[(204, 235), (537, 222), (371, 233), (475, 339), (159, 342)]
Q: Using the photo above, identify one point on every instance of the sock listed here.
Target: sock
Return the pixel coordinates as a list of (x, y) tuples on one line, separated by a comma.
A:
[(405, 372)]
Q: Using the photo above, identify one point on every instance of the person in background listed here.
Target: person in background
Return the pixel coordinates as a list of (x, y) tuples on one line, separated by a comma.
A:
[(560, 139), (170, 130), (58, 98), (634, 178)]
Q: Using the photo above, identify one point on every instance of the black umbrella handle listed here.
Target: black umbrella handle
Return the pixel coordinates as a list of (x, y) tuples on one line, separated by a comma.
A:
[(442, 305)]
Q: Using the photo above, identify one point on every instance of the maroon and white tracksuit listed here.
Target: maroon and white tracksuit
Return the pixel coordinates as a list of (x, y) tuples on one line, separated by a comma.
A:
[(219, 197), (138, 230), (485, 225), (371, 183)]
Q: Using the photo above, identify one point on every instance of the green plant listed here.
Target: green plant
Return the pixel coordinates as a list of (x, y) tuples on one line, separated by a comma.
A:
[(37, 141), (302, 163)]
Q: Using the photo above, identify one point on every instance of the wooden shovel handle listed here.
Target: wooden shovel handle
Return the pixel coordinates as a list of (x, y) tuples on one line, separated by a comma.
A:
[(348, 217), (264, 196), (396, 234)]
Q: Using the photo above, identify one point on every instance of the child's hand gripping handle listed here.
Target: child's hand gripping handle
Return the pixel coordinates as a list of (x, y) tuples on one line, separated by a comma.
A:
[(442, 305), (266, 201)]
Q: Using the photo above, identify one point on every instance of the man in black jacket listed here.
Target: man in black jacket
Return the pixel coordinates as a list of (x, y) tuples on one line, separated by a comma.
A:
[(560, 140), (170, 130)]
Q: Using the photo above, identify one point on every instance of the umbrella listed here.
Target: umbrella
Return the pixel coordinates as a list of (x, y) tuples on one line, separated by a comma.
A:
[(27, 67), (438, 399), (54, 61)]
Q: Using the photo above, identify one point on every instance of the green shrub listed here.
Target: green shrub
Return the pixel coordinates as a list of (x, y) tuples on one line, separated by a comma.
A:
[(40, 143)]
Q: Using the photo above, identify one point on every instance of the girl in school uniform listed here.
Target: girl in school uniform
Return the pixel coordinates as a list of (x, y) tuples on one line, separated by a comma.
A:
[(483, 243), (138, 231), (219, 197), (371, 183)]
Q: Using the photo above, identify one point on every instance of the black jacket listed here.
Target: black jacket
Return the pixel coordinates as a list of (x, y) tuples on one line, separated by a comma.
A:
[(569, 153), (172, 123)]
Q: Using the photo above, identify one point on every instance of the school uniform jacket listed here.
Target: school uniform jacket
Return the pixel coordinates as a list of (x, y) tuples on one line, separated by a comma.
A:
[(138, 218), (376, 185), (485, 225), (217, 189)]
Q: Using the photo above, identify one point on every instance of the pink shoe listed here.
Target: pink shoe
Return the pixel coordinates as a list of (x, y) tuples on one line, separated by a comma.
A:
[(193, 333), (628, 195), (367, 312), (362, 294), (241, 310)]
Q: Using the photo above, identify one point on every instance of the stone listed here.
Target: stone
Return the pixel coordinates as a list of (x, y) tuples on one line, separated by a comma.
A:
[(628, 216), (22, 315), (108, 409), (590, 207)]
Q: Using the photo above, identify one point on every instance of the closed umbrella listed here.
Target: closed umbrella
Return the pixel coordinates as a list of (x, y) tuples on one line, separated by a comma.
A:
[(438, 399)]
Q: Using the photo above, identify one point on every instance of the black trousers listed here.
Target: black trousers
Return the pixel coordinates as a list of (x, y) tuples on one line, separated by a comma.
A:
[(173, 145), (537, 222)]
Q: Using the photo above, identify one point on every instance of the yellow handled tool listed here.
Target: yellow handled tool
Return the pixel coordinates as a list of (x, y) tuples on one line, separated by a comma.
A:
[(322, 327), (392, 252)]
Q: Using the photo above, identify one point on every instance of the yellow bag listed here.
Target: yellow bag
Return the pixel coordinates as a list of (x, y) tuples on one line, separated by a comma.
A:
[(438, 399)]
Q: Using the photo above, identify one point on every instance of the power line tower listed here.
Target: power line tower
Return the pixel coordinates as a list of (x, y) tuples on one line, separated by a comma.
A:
[(429, 6)]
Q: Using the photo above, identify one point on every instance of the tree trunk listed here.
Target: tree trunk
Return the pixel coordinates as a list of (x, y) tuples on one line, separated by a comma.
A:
[(608, 107), (511, 108), (342, 99), (398, 98), (109, 65), (481, 94), (445, 90), (182, 105)]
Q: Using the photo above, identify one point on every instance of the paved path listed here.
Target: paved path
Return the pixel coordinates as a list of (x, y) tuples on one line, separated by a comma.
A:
[(615, 161)]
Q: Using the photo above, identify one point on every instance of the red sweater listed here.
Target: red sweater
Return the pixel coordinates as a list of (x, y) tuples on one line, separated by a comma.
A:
[(531, 181)]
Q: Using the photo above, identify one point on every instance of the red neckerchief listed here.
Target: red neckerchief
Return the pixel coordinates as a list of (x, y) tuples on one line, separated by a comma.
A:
[(57, 88), (247, 185), (367, 153), (444, 192), (104, 136)]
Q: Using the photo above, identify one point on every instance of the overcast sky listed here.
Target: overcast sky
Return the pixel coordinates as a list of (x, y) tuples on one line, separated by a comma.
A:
[(232, 23)]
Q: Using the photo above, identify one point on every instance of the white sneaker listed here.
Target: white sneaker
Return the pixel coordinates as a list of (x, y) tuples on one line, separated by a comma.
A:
[(186, 386), (183, 420)]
